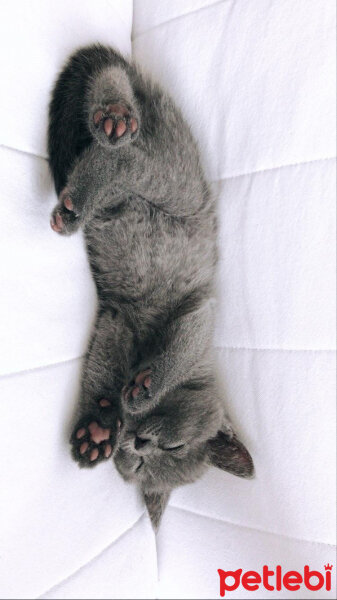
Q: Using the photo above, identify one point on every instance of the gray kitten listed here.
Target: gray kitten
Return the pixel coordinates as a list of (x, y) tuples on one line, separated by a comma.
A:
[(127, 170)]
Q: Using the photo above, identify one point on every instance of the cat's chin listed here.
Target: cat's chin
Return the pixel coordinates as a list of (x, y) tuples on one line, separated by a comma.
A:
[(132, 473), (140, 467)]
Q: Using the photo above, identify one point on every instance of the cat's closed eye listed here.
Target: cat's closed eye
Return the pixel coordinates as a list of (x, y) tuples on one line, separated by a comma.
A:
[(171, 448)]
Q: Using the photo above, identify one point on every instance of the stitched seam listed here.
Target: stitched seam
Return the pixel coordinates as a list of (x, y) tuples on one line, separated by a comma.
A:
[(14, 149), (295, 164), (90, 560), (214, 181), (217, 347), (176, 18), (115, 10), (328, 350), (157, 568), (236, 524), (50, 365)]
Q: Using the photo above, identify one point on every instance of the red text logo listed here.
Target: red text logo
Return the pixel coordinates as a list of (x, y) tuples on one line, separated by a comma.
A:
[(271, 580)]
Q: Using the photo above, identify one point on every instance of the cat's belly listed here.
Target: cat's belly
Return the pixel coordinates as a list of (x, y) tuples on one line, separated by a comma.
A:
[(140, 255)]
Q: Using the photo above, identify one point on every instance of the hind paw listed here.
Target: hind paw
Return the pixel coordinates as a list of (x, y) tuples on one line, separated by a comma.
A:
[(65, 217), (114, 124)]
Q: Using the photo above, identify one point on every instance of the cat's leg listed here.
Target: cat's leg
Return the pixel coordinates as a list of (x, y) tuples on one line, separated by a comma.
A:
[(186, 344), (162, 164), (92, 102), (101, 97), (112, 111), (141, 145), (68, 132), (98, 422), (66, 217), (90, 186)]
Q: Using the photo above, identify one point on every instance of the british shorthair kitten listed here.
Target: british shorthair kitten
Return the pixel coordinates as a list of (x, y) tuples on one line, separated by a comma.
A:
[(127, 171)]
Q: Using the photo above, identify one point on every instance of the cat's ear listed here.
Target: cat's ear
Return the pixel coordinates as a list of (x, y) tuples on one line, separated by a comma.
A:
[(156, 504), (226, 452)]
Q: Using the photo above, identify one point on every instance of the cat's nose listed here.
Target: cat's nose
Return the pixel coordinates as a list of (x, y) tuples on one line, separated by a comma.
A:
[(141, 444)]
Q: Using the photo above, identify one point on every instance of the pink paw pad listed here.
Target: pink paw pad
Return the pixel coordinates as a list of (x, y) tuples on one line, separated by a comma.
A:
[(84, 447), (94, 454), (68, 203), (98, 434), (107, 451), (135, 391), (108, 126), (120, 128), (80, 433), (98, 116), (118, 109), (56, 223), (93, 442), (115, 120), (133, 125), (141, 381), (144, 378), (104, 403)]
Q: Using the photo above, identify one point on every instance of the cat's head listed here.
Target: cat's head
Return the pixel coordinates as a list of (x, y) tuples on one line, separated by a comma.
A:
[(174, 445)]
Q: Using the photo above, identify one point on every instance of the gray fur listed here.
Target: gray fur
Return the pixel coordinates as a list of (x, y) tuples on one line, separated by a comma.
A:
[(150, 227)]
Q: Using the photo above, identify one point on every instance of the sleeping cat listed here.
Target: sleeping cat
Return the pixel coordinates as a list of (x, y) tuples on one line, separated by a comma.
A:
[(127, 170)]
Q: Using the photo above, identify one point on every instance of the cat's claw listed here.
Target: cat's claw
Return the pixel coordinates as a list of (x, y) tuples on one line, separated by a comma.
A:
[(92, 442)]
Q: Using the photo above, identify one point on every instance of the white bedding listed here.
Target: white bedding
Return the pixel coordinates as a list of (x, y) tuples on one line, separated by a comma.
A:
[(256, 80)]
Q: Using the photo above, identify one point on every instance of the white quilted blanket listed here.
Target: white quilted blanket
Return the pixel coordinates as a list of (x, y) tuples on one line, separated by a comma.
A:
[(256, 80)]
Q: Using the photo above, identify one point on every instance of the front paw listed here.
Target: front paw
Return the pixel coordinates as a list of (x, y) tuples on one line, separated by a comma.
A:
[(137, 396), (93, 441), (65, 217)]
